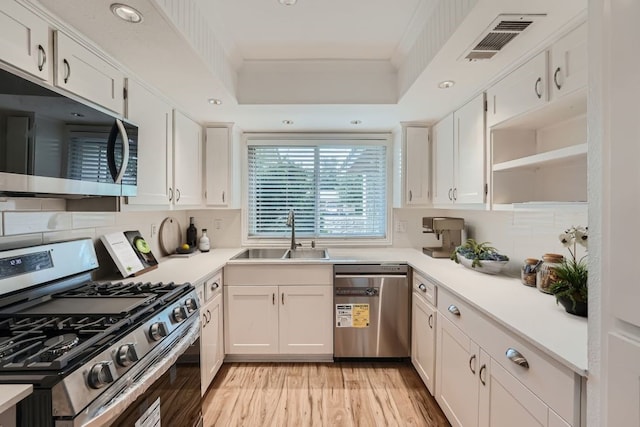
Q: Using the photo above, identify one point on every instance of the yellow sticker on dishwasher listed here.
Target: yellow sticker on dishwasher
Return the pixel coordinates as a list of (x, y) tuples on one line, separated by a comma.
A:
[(352, 315)]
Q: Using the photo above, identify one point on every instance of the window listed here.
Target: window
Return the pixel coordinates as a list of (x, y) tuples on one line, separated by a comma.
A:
[(336, 190)]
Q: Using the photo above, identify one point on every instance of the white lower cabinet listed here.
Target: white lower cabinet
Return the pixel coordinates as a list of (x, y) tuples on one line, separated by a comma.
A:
[(423, 330), (278, 310), (211, 329), (279, 319), (488, 378)]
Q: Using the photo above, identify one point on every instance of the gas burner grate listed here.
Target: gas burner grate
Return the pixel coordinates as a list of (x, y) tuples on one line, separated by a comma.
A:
[(120, 289)]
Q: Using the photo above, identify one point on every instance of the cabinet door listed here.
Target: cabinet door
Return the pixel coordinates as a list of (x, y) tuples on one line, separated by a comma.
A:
[(505, 401), (443, 161), (187, 161), (84, 73), (251, 319), (155, 123), (210, 341), (469, 148), (417, 164), (569, 63), (306, 319), (423, 343), (24, 40), (521, 91), (623, 381), (456, 371), (217, 166)]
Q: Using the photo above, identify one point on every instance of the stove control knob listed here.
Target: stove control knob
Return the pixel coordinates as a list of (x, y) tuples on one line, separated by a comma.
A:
[(126, 355), (158, 331), (191, 304), (100, 375), (179, 313)]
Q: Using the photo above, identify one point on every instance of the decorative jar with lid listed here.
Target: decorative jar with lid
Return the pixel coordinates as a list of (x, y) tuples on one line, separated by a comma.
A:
[(546, 275)]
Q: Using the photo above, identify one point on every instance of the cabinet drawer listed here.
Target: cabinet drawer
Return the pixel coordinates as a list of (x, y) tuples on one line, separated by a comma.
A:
[(555, 384), (425, 288), (212, 286), (460, 314)]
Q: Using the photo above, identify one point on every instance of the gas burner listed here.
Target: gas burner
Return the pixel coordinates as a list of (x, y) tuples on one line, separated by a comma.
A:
[(57, 346), (6, 347)]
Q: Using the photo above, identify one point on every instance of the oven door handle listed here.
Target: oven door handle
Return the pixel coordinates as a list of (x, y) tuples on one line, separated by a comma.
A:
[(120, 403)]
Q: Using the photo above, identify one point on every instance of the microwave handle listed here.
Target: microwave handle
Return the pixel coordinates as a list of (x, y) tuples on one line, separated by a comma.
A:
[(111, 147)]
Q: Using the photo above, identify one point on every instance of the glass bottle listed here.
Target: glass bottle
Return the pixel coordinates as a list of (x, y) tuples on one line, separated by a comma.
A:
[(192, 234), (547, 271), (204, 241)]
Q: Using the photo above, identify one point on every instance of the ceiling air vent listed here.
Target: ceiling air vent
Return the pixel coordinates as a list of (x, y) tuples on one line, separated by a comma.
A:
[(497, 35)]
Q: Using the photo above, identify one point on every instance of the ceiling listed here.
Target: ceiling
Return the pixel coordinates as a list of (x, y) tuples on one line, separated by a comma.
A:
[(320, 63)]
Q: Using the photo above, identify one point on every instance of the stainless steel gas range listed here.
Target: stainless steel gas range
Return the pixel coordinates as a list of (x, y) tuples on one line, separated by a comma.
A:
[(97, 353)]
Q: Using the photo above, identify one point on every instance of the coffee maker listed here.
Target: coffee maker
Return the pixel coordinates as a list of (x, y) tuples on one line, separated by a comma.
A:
[(449, 228)]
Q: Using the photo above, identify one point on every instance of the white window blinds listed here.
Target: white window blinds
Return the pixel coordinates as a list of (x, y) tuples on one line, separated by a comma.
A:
[(335, 191)]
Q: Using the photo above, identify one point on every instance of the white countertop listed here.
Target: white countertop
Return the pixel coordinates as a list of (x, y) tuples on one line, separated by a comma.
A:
[(11, 394), (524, 311)]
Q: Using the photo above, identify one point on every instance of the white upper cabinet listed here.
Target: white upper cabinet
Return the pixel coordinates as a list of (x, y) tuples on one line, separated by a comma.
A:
[(84, 73), (523, 90), (459, 162), (187, 161), (222, 166), (24, 40), (469, 160), (569, 63), (154, 119), (443, 161), (417, 191)]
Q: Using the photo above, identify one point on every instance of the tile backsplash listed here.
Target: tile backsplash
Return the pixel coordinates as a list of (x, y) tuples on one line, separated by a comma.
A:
[(518, 234)]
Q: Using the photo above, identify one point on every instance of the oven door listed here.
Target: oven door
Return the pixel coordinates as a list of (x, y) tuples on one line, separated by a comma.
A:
[(164, 390)]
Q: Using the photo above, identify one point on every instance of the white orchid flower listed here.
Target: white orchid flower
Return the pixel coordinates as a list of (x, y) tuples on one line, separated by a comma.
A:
[(566, 239)]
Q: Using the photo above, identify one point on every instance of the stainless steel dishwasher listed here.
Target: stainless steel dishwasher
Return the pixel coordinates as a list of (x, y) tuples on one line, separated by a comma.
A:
[(372, 310)]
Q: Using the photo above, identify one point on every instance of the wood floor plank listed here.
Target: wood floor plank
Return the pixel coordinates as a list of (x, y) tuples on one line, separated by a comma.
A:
[(338, 394)]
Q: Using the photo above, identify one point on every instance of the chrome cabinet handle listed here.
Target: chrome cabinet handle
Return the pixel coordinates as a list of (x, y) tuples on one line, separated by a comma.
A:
[(410, 195), (204, 320), (125, 151), (283, 298), (170, 194), (214, 286), (555, 78), (455, 194), (422, 287), (430, 321), (454, 310), (516, 357), (483, 368), (177, 194), (208, 316), (67, 68), (537, 87), (450, 190), (223, 197), (42, 57), (471, 360), (273, 299)]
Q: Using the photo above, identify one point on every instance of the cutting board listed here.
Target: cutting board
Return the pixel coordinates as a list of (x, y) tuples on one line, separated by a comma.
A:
[(170, 235)]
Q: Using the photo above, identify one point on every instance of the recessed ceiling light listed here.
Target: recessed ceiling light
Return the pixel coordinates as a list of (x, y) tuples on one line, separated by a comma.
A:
[(288, 2), (287, 122), (126, 13), (356, 122), (446, 84), (214, 101), (74, 114)]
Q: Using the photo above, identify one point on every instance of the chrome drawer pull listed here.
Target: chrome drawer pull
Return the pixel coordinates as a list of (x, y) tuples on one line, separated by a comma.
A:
[(483, 368), (422, 287), (454, 310), (430, 321), (471, 360), (516, 357)]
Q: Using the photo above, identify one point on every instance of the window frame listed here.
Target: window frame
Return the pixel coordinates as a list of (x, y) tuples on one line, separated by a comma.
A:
[(312, 139)]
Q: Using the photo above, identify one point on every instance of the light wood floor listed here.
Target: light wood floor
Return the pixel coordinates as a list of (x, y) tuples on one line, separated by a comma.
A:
[(320, 394)]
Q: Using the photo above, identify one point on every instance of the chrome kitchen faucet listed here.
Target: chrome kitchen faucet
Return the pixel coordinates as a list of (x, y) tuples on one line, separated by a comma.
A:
[(291, 222)]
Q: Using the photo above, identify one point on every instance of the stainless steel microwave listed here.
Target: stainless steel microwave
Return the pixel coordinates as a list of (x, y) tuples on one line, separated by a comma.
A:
[(54, 145)]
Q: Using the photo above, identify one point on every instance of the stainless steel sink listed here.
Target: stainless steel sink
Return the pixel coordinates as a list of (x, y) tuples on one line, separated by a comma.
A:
[(281, 253), (261, 253), (306, 254)]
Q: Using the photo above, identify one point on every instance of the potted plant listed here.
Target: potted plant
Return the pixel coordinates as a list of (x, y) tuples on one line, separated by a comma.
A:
[(479, 256), (570, 287)]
